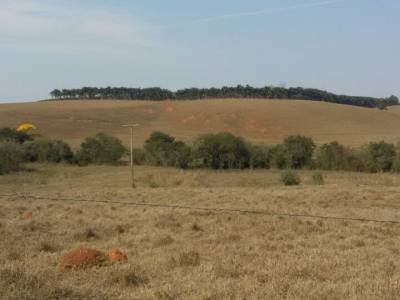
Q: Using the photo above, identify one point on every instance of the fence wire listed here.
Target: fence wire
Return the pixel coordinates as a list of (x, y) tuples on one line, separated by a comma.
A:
[(13, 197)]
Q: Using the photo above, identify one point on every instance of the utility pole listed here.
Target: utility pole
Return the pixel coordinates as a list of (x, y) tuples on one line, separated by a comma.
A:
[(131, 160)]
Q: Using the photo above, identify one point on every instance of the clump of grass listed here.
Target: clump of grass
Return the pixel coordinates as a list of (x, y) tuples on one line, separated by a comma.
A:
[(47, 247), (164, 241), (290, 178), (151, 182), (196, 227), (129, 278), (87, 235), (318, 178), (189, 259)]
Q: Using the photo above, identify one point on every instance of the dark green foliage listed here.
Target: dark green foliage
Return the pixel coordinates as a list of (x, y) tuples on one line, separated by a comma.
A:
[(221, 151), (290, 177), (11, 157), (332, 156), (101, 149), (260, 156), (380, 157), (11, 135), (295, 152), (318, 178), (239, 91), (52, 151), (162, 150)]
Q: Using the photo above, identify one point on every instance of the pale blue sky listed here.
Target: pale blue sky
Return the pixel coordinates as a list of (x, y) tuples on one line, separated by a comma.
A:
[(344, 46)]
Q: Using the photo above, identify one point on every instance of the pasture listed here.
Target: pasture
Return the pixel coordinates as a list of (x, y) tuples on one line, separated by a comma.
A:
[(260, 121), (198, 254)]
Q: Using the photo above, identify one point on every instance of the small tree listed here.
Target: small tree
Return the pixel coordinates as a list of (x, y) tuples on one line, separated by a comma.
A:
[(101, 149), (332, 156), (295, 152), (380, 157), (221, 151)]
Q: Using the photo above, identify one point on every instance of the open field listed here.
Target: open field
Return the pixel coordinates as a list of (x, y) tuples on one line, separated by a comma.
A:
[(261, 121), (191, 254)]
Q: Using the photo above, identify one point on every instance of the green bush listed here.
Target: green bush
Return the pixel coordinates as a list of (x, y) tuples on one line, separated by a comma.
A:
[(295, 152), (290, 177), (100, 149), (260, 156), (221, 151), (332, 156), (53, 151), (11, 157), (162, 150), (380, 157), (11, 135), (318, 178)]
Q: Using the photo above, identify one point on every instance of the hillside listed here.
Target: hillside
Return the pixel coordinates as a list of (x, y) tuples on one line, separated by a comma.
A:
[(257, 120)]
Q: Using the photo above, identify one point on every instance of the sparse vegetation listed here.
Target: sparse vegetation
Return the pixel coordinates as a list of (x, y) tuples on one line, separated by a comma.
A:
[(290, 177), (318, 178)]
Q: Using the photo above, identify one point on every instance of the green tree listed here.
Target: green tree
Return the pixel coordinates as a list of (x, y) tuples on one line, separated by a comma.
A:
[(332, 156), (53, 151), (100, 149), (221, 151), (380, 157), (297, 151)]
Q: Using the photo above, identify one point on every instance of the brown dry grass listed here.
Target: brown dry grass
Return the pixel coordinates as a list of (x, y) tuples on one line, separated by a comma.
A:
[(181, 254), (258, 120)]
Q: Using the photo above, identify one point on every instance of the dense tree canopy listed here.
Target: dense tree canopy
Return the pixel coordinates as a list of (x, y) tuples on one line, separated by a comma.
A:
[(268, 92)]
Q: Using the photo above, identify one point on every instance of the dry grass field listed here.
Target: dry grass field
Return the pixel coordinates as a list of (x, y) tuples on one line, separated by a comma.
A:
[(193, 254), (262, 121)]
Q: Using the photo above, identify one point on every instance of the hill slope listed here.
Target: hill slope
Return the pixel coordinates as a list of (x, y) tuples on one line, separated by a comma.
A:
[(257, 120)]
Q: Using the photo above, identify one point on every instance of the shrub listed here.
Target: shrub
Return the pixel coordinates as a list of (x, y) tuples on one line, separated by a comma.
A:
[(295, 152), (332, 156), (11, 157), (101, 149), (11, 135), (139, 156), (260, 157), (356, 160), (221, 151), (53, 151), (290, 177), (162, 150), (380, 157), (318, 178)]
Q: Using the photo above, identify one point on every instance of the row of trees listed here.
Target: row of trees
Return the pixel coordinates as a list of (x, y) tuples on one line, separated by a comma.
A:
[(227, 151), (17, 148), (213, 151), (268, 92)]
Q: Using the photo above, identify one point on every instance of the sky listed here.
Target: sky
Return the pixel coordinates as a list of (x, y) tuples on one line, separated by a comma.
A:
[(343, 46)]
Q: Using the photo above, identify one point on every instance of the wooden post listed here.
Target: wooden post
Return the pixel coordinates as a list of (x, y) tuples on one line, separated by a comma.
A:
[(131, 160), (132, 170)]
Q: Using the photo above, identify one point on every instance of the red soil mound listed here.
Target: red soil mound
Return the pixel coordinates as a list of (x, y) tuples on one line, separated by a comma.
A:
[(115, 255), (81, 258)]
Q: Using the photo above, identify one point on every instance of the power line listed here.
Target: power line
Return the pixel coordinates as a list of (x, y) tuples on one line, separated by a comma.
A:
[(209, 209)]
